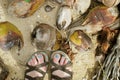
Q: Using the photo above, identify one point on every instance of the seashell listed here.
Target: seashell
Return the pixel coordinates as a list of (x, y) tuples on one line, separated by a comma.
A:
[(10, 36), (22, 8), (43, 36), (111, 3), (81, 6), (99, 17), (81, 40), (64, 17)]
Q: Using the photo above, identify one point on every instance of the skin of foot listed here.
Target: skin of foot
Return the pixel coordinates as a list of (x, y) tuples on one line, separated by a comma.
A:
[(60, 60), (39, 59), (34, 61)]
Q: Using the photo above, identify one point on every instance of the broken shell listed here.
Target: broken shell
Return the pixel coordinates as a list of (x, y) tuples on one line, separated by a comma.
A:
[(64, 17), (10, 36), (21, 8), (43, 36), (111, 3), (81, 40)]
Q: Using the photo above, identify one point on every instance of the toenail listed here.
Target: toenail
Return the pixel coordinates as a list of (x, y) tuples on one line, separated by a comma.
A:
[(57, 56), (39, 56)]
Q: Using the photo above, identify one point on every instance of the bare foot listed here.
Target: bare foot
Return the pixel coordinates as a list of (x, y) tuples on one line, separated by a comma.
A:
[(37, 66), (64, 70)]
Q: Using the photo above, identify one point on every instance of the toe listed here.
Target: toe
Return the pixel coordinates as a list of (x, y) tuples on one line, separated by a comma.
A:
[(62, 60), (30, 62), (66, 61), (40, 58), (56, 58), (34, 61)]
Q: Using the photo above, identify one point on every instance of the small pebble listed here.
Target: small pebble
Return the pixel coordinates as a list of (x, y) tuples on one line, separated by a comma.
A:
[(48, 8)]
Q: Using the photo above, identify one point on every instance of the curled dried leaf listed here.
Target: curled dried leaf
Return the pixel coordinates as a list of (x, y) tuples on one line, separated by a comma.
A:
[(106, 39), (101, 15)]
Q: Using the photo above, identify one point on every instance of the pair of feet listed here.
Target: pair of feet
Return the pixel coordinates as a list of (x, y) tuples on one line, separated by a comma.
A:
[(60, 66)]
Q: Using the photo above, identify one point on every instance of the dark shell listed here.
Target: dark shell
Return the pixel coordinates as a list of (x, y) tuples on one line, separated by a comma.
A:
[(43, 36)]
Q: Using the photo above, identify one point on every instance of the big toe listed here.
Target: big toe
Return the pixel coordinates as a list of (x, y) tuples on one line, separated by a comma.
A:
[(39, 58), (32, 61), (56, 58)]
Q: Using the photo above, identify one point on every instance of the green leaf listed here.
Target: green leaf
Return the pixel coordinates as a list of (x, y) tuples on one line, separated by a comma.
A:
[(27, 0)]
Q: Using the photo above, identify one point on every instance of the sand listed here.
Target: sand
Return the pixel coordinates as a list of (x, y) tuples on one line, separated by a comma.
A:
[(16, 62)]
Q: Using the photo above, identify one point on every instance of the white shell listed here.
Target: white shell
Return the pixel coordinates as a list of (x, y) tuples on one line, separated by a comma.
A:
[(64, 17), (110, 3), (80, 7)]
